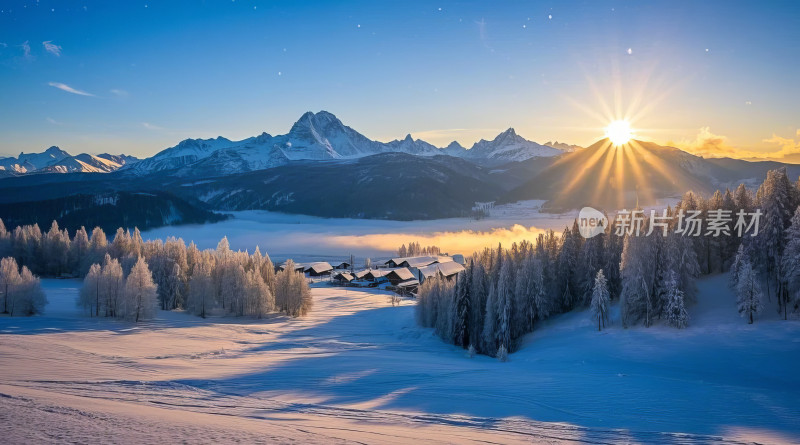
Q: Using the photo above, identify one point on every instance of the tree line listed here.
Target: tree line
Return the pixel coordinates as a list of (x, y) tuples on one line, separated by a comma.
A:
[(415, 249), (130, 278), (503, 293)]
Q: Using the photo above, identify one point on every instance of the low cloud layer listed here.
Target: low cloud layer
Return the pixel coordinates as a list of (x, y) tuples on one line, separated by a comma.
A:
[(708, 144)]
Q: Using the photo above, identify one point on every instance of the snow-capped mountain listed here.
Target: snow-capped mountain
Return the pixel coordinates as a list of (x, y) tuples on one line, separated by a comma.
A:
[(186, 152), (415, 147), (508, 146), (563, 146), (86, 163), (321, 136), (29, 162), (56, 160)]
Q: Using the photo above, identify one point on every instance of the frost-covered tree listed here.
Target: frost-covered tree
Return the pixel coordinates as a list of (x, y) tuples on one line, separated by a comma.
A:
[(56, 247), (748, 291), (90, 294), (112, 285), (139, 300), (259, 300), (202, 295), (267, 270), (677, 315), (292, 294), (9, 279), (79, 252), (600, 300), (29, 298)]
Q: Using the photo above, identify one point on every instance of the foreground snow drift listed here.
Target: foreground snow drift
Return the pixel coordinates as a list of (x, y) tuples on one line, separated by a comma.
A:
[(358, 369)]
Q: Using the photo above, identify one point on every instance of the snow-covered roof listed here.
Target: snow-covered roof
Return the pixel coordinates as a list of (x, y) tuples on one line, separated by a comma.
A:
[(419, 261), (402, 274), (319, 267), (446, 269), (344, 276), (376, 273), (361, 273), (450, 268), (408, 283)]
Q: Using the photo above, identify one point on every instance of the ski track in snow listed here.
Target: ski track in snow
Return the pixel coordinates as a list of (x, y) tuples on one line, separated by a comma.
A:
[(358, 370)]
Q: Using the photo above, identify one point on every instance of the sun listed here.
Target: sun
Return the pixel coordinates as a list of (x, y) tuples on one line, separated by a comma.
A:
[(619, 132)]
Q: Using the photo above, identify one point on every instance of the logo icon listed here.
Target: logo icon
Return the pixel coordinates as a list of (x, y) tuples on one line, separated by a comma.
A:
[(591, 222)]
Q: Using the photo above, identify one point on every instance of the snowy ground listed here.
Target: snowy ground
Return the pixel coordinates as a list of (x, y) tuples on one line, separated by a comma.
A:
[(358, 369)]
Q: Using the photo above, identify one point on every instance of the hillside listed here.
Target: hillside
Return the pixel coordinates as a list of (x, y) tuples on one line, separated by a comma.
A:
[(358, 368)]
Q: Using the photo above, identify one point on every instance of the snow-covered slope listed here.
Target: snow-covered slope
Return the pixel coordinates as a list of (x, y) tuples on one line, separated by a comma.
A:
[(358, 369)]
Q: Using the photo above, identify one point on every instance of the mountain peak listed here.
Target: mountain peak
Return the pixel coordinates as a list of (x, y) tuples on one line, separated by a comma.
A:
[(408, 138), (317, 121), (454, 145)]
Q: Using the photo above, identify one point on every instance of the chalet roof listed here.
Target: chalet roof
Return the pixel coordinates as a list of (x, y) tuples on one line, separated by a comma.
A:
[(401, 274), (418, 261), (408, 283), (450, 268), (319, 267), (447, 269), (377, 273), (344, 276), (361, 273)]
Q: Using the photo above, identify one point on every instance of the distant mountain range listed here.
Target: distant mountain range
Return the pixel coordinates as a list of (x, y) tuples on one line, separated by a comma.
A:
[(56, 160), (322, 167), (318, 137)]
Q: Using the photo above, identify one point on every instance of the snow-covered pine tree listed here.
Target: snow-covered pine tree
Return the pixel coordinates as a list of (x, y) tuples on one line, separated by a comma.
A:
[(463, 315), (600, 300), (504, 306), (637, 272), (733, 275), (748, 291), (478, 293), (774, 197), (790, 267), (677, 315), (488, 339)]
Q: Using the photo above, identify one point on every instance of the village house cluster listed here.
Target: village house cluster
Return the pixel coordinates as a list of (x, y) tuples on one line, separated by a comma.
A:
[(400, 275)]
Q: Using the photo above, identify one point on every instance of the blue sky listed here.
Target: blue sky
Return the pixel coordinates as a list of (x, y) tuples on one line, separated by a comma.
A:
[(140, 76)]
